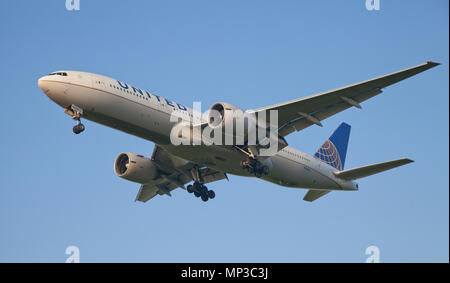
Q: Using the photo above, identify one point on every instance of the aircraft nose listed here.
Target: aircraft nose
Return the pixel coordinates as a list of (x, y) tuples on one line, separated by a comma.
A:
[(43, 84)]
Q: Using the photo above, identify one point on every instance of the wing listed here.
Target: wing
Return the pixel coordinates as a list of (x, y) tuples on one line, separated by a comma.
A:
[(301, 113), (172, 176)]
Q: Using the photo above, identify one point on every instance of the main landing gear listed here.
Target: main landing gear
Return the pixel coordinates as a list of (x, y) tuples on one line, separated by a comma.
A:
[(75, 112), (253, 166), (200, 190)]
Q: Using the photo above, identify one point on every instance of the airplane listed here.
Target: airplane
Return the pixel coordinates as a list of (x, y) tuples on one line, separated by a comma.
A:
[(138, 112)]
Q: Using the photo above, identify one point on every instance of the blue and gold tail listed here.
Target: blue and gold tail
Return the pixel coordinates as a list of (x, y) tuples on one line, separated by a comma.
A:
[(334, 150)]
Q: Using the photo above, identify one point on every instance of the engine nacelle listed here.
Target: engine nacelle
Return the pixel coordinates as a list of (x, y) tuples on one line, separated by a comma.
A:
[(220, 114), (242, 127), (233, 120), (134, 167)]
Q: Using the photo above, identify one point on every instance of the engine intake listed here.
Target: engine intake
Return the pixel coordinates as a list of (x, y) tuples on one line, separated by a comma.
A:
[(219, 114), (134, 167), (244, 127), (235, 123)]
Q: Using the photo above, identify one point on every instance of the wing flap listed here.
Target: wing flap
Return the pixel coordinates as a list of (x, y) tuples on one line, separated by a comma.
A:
[(322, 114), (210, 175), (146, 192)]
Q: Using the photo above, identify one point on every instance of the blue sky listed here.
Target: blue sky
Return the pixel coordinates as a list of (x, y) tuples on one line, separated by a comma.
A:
[(58, 189)]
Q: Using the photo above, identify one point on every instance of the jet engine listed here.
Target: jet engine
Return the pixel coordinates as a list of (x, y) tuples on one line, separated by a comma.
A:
[(135, 167), (231, 119), (243, 128), (222, 114)]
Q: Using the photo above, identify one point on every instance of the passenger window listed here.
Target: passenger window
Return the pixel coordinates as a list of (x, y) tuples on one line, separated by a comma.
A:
[(59, 74)]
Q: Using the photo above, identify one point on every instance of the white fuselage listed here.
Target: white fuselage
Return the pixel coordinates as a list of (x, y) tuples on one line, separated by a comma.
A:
[(141, 113)]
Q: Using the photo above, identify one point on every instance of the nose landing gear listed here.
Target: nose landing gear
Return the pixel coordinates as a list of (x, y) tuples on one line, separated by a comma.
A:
[(75, 112), (78, 128)]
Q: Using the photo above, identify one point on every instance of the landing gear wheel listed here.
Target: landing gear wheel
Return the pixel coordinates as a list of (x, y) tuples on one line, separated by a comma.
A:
[(201, 191), (204, 193), (78, 128), (196, 188)]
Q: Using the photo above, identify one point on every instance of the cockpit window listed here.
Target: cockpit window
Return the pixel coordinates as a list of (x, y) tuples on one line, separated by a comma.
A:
[(58, 74)]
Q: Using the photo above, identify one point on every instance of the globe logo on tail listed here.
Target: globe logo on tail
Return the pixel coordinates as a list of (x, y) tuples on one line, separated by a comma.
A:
[(329, 154)]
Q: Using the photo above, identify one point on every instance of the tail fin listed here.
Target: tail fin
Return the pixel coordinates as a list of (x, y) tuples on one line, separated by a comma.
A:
[(334, 150)]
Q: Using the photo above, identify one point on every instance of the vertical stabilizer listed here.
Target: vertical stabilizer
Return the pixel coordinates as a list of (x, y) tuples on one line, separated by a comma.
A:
[(334, 149)]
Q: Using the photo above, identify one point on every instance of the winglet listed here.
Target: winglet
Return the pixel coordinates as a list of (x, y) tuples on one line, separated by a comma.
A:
[(433, 63)]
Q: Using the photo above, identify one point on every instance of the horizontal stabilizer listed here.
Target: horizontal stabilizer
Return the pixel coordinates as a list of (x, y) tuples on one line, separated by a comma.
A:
[(361, 172), (312, 195)]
